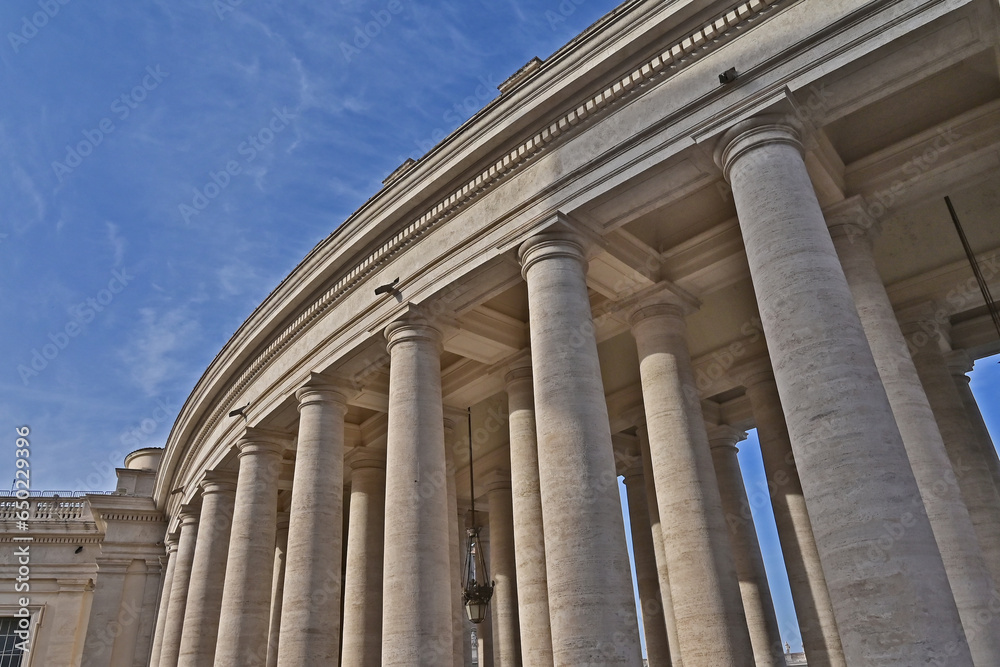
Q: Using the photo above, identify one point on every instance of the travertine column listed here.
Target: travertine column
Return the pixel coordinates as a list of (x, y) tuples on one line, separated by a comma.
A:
[(893, 609), (416, 611), (927, 345), (161, 615), (711, 625), (506, 634), (454, 540), (757, 603), (277, 588), (208, 570), (484, 630), (656, 531), (971, 582), (173, 628), (647, 578), (813, 608), (589, 582), (960, 363), (362, 646), (310, 608), (246, 596), (529, 537)]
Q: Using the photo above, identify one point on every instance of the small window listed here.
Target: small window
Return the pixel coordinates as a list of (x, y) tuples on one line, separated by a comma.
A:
[(10, 654)]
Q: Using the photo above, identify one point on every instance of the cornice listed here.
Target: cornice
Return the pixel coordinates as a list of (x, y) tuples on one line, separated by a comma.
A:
[(672, 59)]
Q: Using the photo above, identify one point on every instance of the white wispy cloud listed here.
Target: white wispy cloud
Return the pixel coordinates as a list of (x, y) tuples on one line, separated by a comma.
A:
[(153, 355), (117, 242)]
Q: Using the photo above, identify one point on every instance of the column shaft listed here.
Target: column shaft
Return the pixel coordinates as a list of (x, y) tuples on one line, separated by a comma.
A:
[(971, 472), (813, 607), (310, 607), (208, 572), (705, 592), (277, 588), (658, 550), (246, 595), (761, 620), (416, 612), (960, 364), (591, 607), (892, 609), (362, 645), (970, 580), (454, 545), (161, 614), (506, 635), (484, 630), (174, 626), (647, 577), (529, 537)]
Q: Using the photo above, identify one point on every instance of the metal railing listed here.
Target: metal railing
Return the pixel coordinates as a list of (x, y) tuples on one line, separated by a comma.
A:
[(54, 494)]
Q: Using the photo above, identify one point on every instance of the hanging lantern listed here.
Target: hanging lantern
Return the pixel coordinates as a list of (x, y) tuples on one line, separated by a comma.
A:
[(477, 589)]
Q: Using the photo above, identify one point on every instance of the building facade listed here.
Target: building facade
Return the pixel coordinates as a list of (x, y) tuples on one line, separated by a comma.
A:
[(695, 219), (81, 572)]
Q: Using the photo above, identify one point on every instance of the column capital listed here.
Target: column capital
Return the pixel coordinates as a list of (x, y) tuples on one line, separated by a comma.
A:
[(959, 363), (170, 543), (360, 458), (628, 456), (754, 133), (320, 388), (549, 244), (753, 372), (924, 323), (497, 480), (518, 367), (664, 301), (852, 218), (188, 515), (411, 329), (724, 435), (663, 298), (635, 415), (258, 440), (218, 481)]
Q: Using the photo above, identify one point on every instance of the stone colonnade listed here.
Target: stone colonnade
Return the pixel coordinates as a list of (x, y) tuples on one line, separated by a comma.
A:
[(858, 437)]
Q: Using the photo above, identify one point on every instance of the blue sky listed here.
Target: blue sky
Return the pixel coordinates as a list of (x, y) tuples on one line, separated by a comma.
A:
[(117, 124), (167, 163)]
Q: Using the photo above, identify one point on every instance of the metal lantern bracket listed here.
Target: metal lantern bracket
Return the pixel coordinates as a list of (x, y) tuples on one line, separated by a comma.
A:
[(477, 588)]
